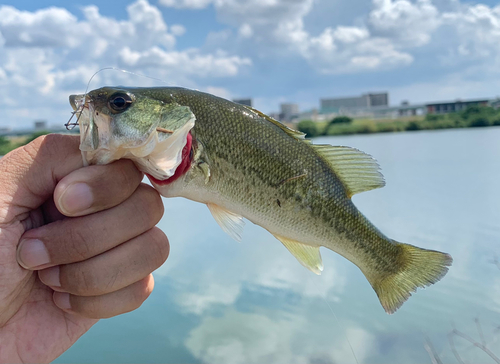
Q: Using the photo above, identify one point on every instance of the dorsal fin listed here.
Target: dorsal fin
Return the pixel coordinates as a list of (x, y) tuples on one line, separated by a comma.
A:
[(293, 133), (357, 170)]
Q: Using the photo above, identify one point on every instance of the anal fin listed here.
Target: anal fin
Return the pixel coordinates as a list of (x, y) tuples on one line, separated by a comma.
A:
[(307, 255), (231, 223)]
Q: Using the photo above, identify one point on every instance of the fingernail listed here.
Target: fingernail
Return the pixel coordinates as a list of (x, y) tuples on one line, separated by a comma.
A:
[(61, 299), (32, 253), (50, 276), (76, 198)]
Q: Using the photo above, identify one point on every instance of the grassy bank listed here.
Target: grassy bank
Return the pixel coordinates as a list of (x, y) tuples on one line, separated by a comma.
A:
[(10, 143), (474, 116)]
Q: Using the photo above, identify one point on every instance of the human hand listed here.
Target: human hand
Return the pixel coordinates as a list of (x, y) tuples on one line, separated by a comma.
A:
[(87, 242)]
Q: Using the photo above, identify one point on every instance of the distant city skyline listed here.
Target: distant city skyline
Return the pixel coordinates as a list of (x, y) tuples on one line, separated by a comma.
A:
[(278, 51), (371, 105)]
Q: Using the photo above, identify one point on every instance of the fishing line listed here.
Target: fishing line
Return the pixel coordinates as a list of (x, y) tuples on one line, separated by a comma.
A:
[(124, 71), (340, 325), (345, 332), (70, 126)]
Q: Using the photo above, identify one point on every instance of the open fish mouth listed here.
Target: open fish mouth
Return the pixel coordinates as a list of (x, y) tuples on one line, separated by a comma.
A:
[(156, 150), (95, 133)]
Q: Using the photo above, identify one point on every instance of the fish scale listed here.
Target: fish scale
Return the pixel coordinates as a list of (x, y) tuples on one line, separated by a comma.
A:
[(245, 164)]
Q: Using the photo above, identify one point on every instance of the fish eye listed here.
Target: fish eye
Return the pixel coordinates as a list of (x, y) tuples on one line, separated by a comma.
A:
[(120, 102)]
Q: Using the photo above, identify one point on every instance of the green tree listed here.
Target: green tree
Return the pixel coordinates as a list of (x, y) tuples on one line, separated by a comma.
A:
[(36, 135), (5, 146), (340, 120), (413, 125), (472, 110), (433, 117), (479, 121), (308, 127)]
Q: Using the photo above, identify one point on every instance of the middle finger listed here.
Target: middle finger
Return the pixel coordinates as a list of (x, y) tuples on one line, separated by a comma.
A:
[(77, 239), (110, 271)]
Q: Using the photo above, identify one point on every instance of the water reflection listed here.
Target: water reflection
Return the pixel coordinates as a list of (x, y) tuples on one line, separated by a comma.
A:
[(220, 301)]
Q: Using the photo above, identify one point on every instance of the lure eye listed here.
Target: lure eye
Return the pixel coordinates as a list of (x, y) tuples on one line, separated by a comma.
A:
[(120, 102)]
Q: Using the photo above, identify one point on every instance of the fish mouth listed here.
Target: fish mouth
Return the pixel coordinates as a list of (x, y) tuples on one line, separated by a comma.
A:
[(78, 102), (72, 101)]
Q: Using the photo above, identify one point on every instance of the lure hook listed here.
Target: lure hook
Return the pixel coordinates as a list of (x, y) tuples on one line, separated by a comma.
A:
[(69, 125)]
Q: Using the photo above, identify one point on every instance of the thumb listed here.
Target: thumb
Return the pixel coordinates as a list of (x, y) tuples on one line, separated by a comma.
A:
[(28, 175)]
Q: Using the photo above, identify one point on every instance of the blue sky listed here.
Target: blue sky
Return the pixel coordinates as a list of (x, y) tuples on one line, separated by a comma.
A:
[(271, 50)]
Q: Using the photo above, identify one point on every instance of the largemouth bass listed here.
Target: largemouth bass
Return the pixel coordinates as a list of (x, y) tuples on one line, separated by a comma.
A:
[(242, 163)]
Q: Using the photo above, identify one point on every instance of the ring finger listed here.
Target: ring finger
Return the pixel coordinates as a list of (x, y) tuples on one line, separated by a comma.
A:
[(112, 270), (124, 300)]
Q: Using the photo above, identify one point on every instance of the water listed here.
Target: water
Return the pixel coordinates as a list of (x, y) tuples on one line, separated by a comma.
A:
[(218, 301)]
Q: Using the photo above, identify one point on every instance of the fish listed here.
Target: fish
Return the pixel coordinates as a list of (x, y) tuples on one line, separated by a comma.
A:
[(242, 163)]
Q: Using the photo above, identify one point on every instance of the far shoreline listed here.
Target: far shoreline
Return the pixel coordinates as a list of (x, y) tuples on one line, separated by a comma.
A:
[(472, 117)]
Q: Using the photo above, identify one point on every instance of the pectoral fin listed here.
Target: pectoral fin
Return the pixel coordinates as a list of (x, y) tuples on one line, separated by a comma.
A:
[(307, 255), (231, 223)]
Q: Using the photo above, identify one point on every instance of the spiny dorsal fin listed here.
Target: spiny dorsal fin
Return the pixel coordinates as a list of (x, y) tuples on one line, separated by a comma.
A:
[(357, 170), (307, 255), (293, 133), (231, 223)]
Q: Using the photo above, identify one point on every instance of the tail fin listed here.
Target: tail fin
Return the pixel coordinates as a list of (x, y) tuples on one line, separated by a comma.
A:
[(419, 268)]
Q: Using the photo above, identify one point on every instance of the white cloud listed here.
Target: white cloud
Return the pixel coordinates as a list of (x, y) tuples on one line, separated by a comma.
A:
[(177, 30), (478, 30), (186, 4), (238, 337), (257, 339), (245, 30), (191, 61), (351, 49), (277, 27), (219, 91), (208, 296), (51, 27), (410, 24), (49, 53), (384, 38)]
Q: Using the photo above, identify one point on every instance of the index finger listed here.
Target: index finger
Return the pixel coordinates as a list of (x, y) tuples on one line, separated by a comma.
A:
[(96, 188)]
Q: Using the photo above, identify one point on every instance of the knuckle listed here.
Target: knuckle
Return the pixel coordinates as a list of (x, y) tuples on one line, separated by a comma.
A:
[(150, 205), (53, 144), (128, 175), (91, 308), (80, 245), (79, 282), (111, 280), (160, 246)]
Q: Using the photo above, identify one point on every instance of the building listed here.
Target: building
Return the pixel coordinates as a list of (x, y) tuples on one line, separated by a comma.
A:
[(454, 106), (246, 102), (495, 103), (40, 125), (379, 99), (365, 101), (394, 112), (289, 112), (274, 115)]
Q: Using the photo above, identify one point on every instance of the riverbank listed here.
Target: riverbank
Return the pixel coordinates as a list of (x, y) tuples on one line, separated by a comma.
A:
[(10, 143), (472, 117)]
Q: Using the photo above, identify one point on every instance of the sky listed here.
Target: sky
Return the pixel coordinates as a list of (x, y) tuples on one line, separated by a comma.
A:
[(273, 51)]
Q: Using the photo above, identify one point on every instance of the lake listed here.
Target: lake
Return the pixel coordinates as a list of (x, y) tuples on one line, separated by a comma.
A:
[(219, 301)]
